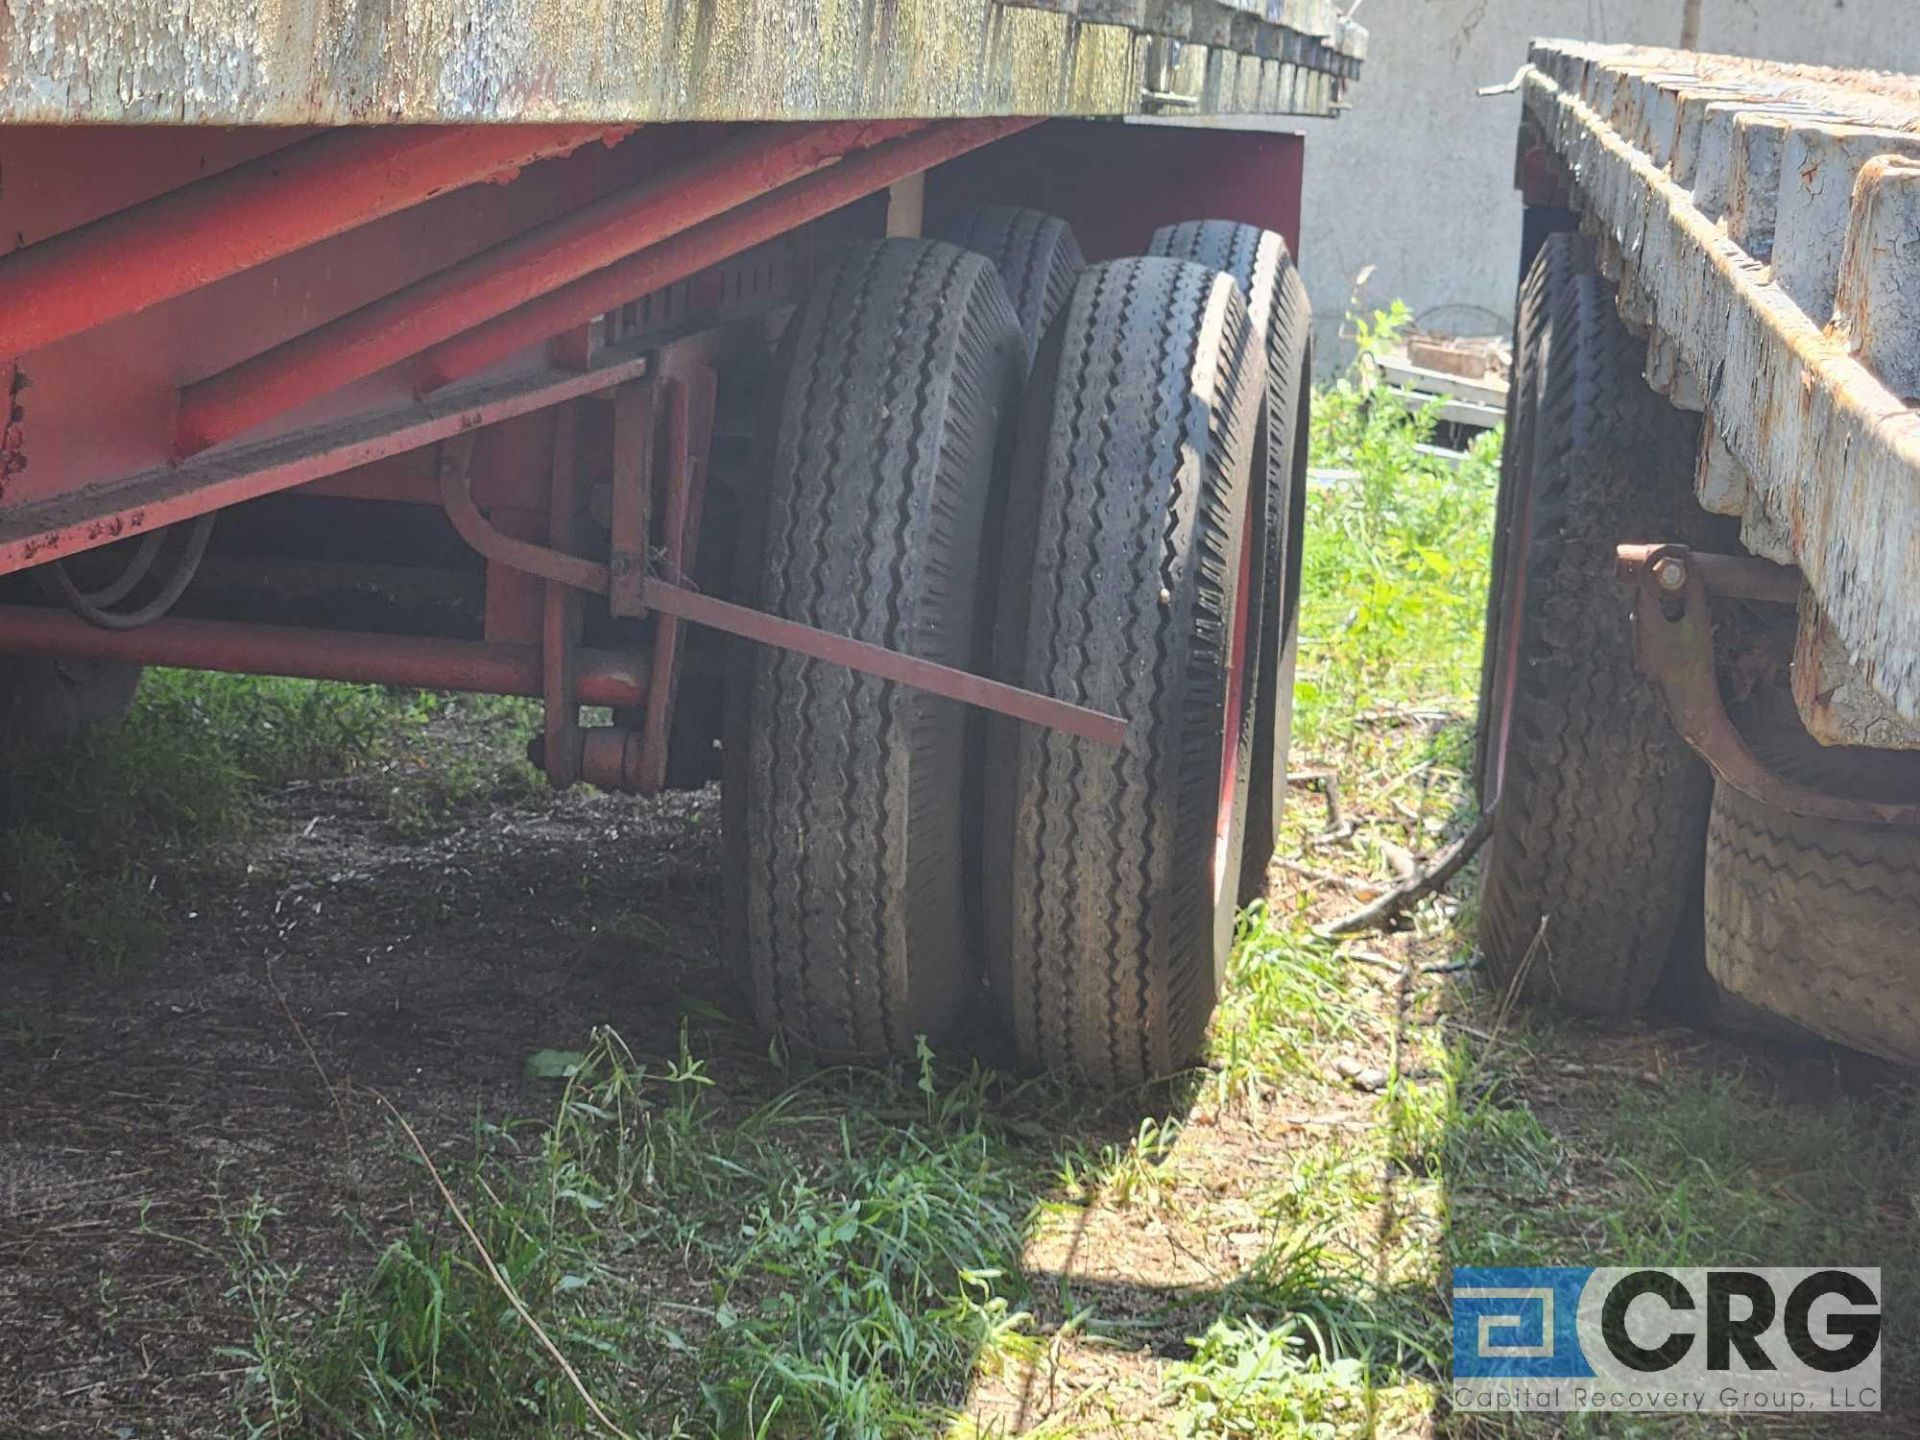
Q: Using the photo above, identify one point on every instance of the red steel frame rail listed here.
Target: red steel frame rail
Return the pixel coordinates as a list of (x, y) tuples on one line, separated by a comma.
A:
[(602, 677), (257, 211), (110, 509), (62, 525), (721, 238), (533, 263)]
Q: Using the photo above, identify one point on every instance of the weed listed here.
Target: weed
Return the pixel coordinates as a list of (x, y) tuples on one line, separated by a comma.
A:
[(426, 787), (1286, 1001), (1490, 1136), (263, 1286), (1246, 1380), (843, 1268), (1121, 1173), (1395, 556)]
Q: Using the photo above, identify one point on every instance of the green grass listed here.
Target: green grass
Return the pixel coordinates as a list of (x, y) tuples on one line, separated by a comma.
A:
[(82, 829), (1394, 569), (1246, 1379), (838, 1258), (86, 831), (185, 761)]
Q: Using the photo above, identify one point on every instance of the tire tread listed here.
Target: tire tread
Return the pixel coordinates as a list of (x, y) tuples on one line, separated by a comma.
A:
[(1813, 921), (903, 371), (1103, 941), (1599, 831)]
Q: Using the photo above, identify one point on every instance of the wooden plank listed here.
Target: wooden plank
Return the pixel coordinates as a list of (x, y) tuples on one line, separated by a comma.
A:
[(1453, 412), (1438, 382), (335, 62)]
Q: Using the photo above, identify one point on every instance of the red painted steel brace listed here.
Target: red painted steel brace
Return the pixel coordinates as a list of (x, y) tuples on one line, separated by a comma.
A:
[(660, 597), (257, 211), (704, 245), (385, 331)]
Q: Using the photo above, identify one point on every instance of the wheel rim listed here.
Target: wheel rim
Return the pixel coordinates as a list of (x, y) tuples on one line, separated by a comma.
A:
[(1236, 706)]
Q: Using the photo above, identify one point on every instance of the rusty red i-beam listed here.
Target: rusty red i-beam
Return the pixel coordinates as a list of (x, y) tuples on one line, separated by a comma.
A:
[(523, 268), (282, 202)]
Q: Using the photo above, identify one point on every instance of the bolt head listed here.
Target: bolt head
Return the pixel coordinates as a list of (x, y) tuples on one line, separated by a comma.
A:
[(1670, 573)]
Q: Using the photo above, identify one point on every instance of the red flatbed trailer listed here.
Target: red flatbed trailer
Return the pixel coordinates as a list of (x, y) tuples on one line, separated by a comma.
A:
[(431, 350)]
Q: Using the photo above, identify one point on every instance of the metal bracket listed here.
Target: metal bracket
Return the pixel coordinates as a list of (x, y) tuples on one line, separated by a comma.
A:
[(1673, 626), (635, 408), (689, 407), (667, 599)]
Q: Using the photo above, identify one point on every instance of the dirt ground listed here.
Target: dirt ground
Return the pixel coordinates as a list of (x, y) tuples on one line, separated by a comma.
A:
[(322, 965), (326, 967)]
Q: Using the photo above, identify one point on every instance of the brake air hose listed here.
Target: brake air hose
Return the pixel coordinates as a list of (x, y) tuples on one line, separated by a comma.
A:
[(96, 606)]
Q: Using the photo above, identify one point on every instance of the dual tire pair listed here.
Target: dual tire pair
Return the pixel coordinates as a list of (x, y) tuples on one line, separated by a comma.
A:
[(1079, 527), (1613, 850)]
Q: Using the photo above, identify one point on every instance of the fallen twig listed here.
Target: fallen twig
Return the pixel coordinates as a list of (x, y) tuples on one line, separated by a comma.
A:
[(1534, 946), (1379, 962), (1325, 877), (505, 1286), (1401, 859), (1398, 715), (1339, 827), (1425, 767), (1445, 866)]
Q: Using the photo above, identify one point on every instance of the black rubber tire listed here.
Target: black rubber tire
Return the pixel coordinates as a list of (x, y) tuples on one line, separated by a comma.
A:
[(1107, 936), (1814, 921), (1599, 824), (846, 795), (1263, 268), (1036, 255), (45, 704)]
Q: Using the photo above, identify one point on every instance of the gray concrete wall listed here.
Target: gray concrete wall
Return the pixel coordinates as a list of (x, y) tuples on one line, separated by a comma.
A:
[(1416, 180)]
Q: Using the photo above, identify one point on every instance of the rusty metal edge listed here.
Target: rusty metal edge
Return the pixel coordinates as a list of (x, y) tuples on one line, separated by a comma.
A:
[(1673, 629), (112, 510)]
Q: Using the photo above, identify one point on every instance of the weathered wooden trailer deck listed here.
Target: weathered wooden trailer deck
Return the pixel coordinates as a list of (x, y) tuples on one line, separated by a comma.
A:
[(336, 62), (1763, 222)]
